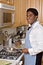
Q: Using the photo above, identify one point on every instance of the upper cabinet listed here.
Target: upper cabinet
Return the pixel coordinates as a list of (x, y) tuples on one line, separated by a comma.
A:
[(9, 2), (20, 12), (23, 12)]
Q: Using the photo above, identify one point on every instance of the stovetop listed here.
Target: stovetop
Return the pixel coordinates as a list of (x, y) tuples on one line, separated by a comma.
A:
[(4, 54)]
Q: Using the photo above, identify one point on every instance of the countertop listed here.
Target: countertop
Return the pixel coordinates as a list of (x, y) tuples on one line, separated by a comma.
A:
[(13, 62)]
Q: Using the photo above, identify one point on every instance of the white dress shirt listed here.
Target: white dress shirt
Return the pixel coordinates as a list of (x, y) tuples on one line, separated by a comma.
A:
[(36, 39)]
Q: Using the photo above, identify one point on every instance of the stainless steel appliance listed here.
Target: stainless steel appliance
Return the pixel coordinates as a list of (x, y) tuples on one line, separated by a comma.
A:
[(6, 14), (11, 55)]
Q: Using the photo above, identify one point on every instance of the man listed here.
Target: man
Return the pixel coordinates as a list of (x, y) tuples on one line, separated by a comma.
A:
[(34, 39)]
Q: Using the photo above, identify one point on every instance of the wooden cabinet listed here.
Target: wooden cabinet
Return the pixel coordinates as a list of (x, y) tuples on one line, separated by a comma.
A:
[(17, 13), (20, 12), (3, 1), (9, 2), (23, 12)]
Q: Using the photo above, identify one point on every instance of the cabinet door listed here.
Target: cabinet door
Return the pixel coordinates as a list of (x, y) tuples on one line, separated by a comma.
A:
[(2, 1), (10, 2), (20, 12), (17, 18), (23, 12)]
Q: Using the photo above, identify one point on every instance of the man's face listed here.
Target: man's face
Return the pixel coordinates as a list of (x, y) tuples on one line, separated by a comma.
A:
[(31, 17)]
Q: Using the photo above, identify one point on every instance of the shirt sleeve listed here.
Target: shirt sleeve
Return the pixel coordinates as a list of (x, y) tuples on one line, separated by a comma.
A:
[(34, 51)]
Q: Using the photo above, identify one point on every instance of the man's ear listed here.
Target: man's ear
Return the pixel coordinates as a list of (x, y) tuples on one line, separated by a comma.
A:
[(36, 17)]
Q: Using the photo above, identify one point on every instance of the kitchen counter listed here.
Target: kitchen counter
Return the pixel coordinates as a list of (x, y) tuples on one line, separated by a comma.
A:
[(14, 62)]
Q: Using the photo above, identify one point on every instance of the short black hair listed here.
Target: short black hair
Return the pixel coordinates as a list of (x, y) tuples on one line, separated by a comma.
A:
[(33, 10)]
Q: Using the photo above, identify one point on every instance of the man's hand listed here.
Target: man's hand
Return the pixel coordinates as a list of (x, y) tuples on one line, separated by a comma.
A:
[(25, 50)]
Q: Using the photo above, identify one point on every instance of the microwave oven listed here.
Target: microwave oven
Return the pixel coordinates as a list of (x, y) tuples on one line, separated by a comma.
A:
[(6, 15)]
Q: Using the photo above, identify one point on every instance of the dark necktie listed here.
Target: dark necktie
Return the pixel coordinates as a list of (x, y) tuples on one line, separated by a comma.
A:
[(28, 28)]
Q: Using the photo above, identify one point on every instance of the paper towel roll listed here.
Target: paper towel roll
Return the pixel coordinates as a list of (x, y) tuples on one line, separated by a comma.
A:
[(10, 42)]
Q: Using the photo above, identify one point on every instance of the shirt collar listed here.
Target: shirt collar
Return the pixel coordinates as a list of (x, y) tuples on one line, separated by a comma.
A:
[(35, 23)]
